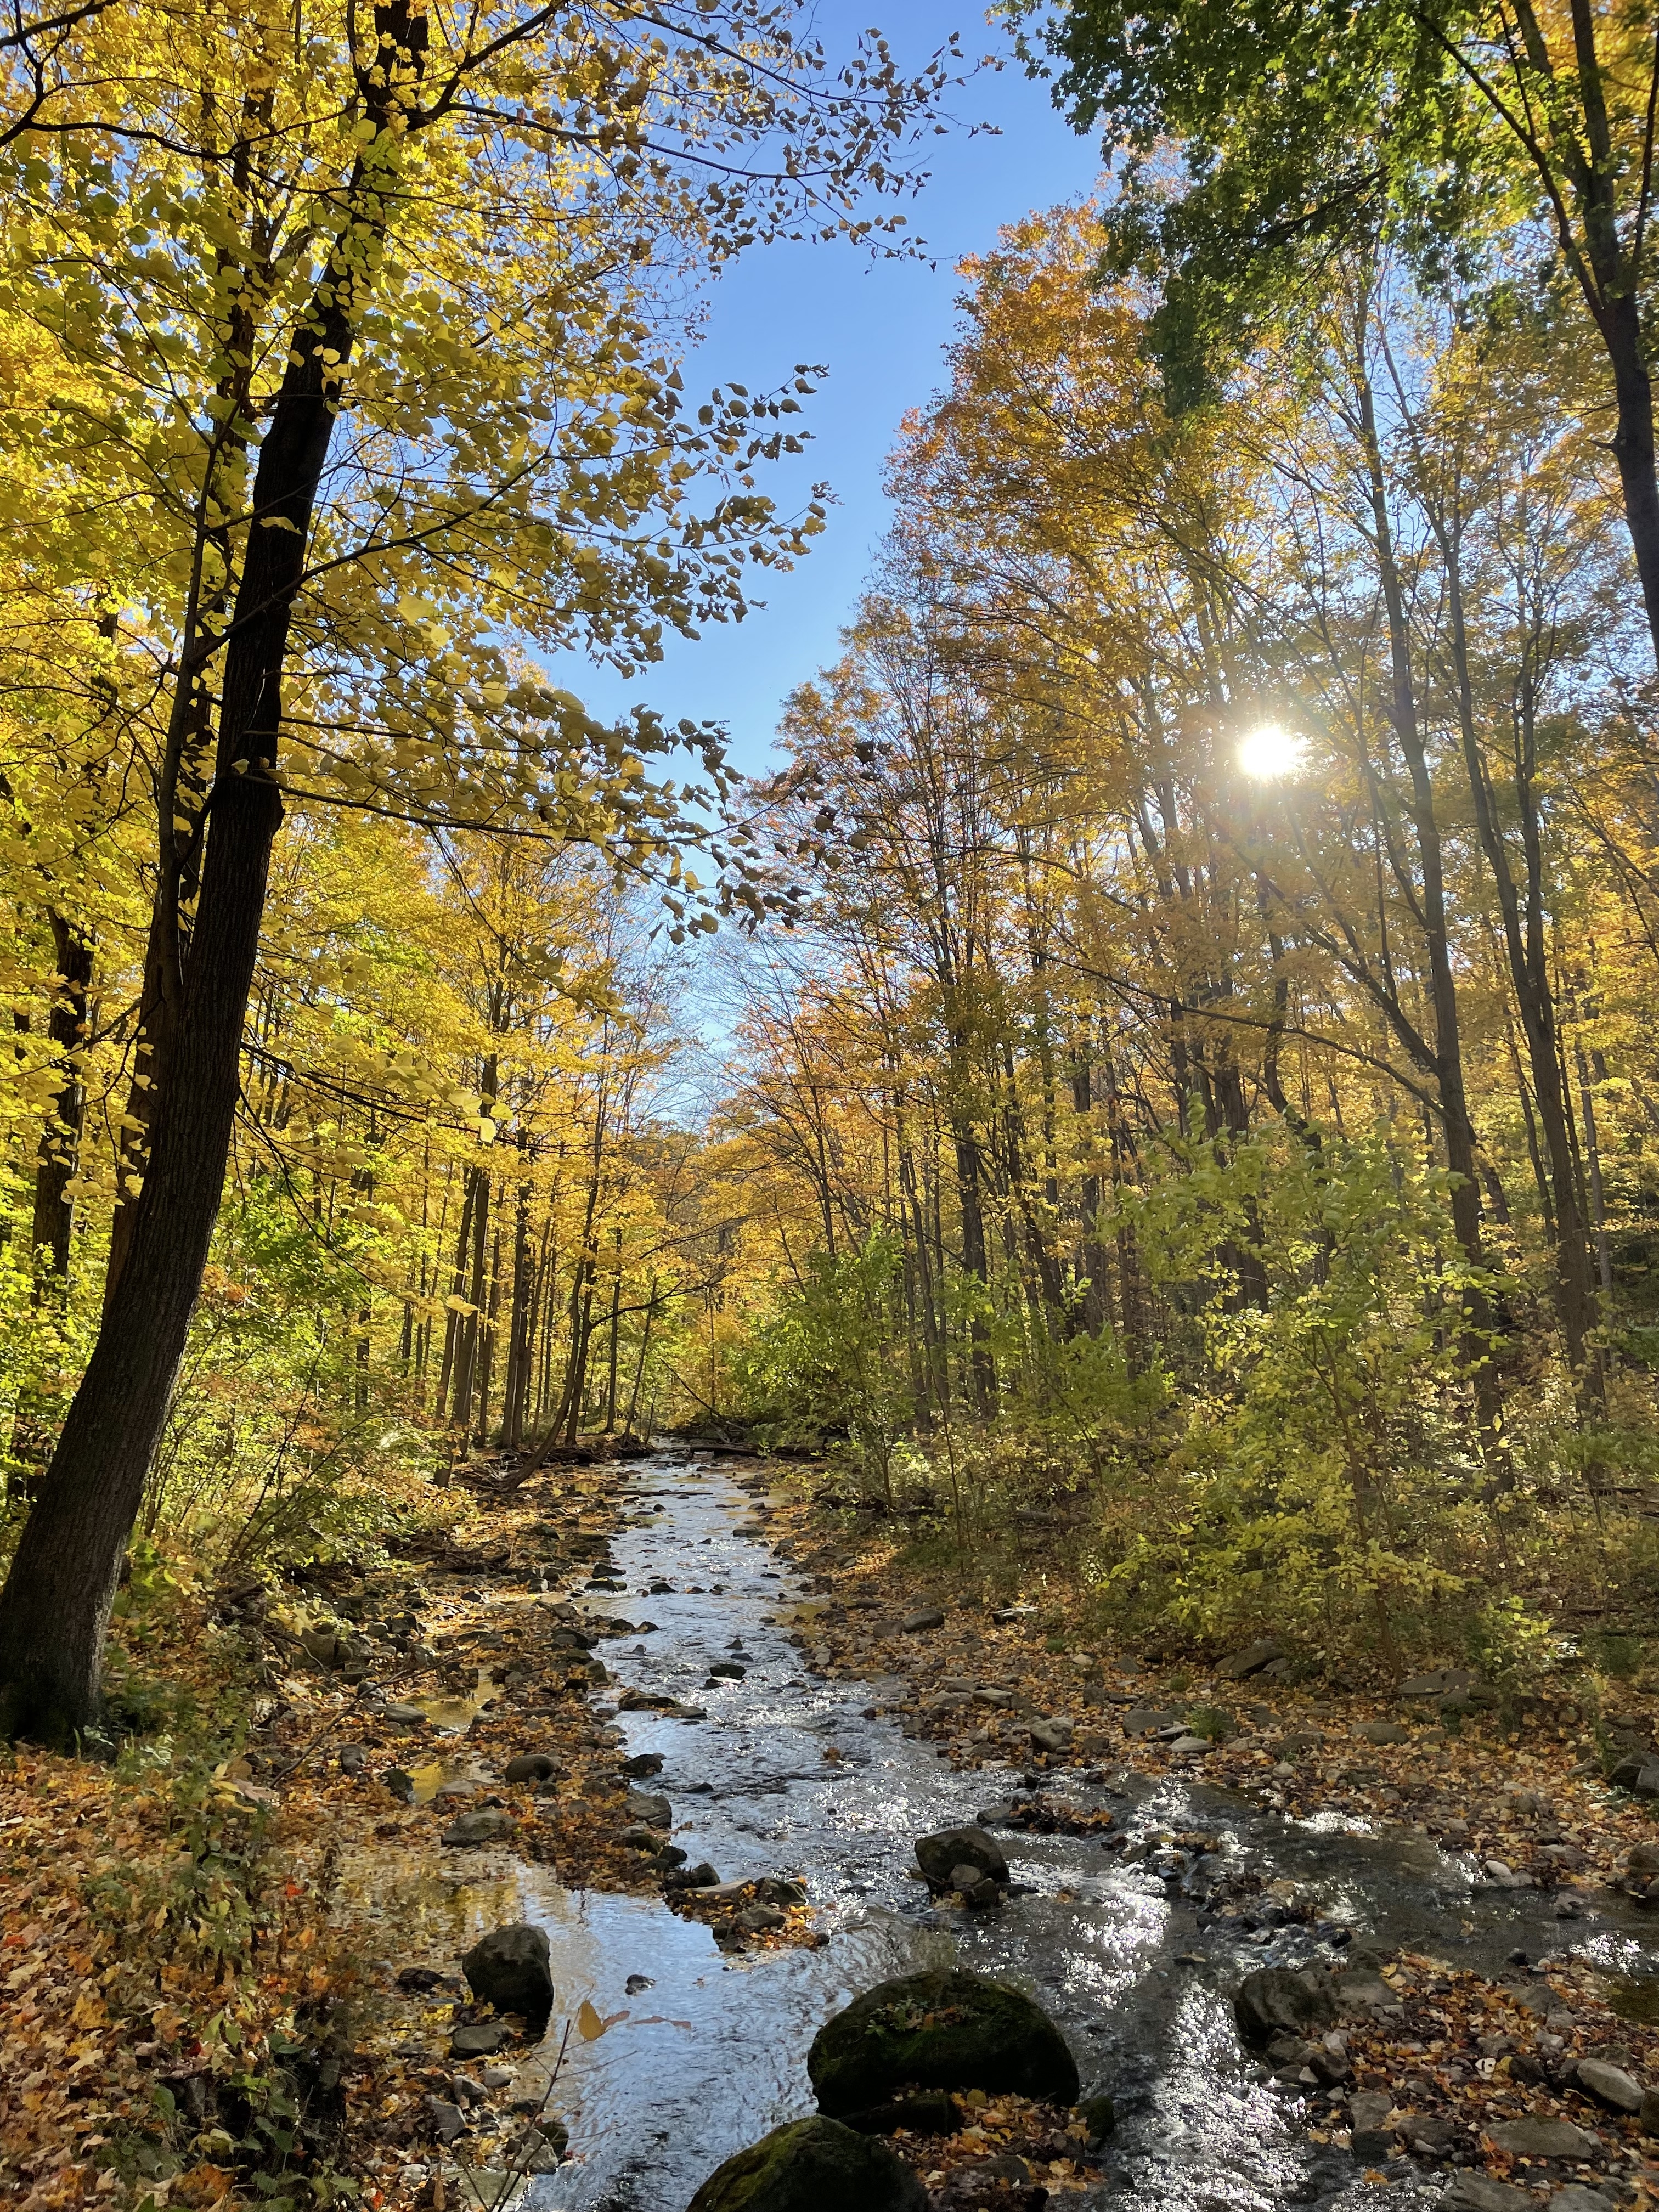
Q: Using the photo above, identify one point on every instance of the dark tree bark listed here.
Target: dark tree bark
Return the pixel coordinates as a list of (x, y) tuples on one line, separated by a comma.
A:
[(55, 1608), (1096, 1283), (59, 1150), (1633, 447)]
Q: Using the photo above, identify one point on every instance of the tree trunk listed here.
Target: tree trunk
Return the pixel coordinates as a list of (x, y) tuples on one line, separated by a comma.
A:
[(516, 1387), (1521, 907), (1442, 990), (1633, 447), (60, 1140), (55, 1608)]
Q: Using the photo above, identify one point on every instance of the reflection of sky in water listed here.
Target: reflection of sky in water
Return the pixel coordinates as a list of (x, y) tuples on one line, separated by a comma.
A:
[(712, 2053)]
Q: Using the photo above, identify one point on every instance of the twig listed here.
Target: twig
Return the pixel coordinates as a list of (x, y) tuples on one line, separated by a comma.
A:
[(516, 2172)]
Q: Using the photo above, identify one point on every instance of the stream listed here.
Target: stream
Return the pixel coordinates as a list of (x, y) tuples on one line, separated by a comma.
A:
[(706, 2051)]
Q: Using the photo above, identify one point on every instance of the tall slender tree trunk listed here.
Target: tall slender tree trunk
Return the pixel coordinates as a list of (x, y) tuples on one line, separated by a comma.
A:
[(1455, 1117), (516, 1387), (55, 1608), (615, 1315), (1521, 907)]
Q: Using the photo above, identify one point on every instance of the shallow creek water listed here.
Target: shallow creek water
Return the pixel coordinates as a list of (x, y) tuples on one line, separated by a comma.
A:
[(708, 2052)]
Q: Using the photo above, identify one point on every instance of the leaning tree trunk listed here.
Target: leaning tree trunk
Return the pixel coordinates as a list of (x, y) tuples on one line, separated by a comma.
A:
[(55, 1608)]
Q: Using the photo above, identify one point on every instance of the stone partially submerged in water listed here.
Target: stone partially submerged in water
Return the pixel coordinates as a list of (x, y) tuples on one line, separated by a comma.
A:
[(509, 1969), (813, 2165), (1276, 2000), (940, 1855), (941, 2030)]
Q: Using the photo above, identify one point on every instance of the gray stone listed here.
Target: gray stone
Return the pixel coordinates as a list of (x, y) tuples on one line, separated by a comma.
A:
[(353, 1759), (759, 1919), (1642, 1858), (1610, 2085), (1191, 1747), (1370, 1991), (406, 1716), (1275, 2001), (914, 1622), (813, 2165), (1052, 1735), (1251, 1660), (508, 1968), (1478, 2192), (532, 1766), (940, 2030), (1368, 2109), (939, 1855), (1009, 2168), (1383, 1732), (480, 2038), (1099, 2115), (1442, 1682), (447, 2120), (1574, 2197), (1431, 2132), (1147, 1720), (1647, 2119), (1543, 2139), (486, 1825), (648, 1811)]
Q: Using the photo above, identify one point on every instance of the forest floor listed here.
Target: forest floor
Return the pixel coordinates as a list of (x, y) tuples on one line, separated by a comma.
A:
[(200, 2006), (179, 1928)]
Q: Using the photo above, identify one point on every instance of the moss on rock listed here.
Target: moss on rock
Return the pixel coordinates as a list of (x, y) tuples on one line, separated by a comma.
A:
[(941, 2030), (813, 2165)]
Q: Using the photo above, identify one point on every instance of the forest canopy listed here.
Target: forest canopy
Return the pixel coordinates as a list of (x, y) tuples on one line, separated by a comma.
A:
[(1188, 1064)]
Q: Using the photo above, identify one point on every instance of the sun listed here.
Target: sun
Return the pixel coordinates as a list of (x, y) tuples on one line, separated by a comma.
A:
[(1271, 752)]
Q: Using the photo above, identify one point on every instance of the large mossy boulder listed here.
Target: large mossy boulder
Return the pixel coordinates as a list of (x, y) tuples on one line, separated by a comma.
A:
[(813, 2165), (941, 2030)]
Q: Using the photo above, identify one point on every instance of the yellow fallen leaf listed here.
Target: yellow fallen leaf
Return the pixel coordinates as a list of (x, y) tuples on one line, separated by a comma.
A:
[(589, 2026)]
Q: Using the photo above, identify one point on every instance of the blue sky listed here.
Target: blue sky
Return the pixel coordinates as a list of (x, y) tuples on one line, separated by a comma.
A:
[(879, 328)]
